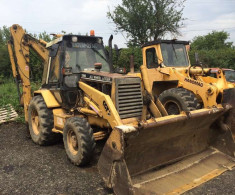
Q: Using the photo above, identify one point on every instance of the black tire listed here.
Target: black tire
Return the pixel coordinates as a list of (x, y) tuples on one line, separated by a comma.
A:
[(176, 100), (78, 139), (41, 122)]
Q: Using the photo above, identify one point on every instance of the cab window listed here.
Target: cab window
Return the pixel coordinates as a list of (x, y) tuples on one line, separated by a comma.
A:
[(55, 68), (151, 57)]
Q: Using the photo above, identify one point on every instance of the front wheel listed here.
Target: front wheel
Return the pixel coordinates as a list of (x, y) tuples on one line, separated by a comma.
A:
[(176, 100), (78, 139)]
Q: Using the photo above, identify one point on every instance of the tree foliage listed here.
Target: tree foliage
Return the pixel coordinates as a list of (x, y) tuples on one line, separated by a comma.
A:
[(214, 50), (124, 58), (147, 20), (212, 41), (5, 65)]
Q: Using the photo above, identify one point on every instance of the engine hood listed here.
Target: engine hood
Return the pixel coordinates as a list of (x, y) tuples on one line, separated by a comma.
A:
[(102, 76)]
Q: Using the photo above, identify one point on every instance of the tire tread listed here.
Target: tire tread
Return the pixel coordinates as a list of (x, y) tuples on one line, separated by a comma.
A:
[(85, 133), (188, 97)]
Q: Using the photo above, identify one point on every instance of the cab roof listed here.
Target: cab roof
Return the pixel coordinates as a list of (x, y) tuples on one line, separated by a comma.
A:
[(165, 41), (81, 36), (66, 37)]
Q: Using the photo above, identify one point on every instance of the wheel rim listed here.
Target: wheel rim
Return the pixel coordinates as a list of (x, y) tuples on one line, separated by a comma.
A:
[(35, 122), (172, 107), (72, 142)]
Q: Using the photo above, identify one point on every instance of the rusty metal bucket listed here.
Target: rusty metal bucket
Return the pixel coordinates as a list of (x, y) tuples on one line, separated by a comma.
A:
[(168, 155)]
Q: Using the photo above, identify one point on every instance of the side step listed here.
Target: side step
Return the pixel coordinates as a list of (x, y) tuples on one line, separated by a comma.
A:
[(184, 175)]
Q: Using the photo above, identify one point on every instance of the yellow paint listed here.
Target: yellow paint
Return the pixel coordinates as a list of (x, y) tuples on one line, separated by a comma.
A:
[(104, 103), (19, 48), (13, 65), (57, 131), (60, 117), (93, 106), (48, 97), (98, 121)]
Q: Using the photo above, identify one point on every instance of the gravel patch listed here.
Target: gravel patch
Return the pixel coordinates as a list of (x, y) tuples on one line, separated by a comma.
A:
[(26, 168)]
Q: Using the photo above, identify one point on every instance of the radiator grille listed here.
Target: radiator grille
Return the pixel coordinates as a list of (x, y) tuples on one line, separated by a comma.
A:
[(129, 101)]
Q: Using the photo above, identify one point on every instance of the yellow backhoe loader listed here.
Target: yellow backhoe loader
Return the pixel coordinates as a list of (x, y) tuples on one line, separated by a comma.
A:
[(147, 151), (178, 84)]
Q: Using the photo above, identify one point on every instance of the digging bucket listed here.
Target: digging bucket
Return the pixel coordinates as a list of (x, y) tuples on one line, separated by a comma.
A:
[(169, 155)]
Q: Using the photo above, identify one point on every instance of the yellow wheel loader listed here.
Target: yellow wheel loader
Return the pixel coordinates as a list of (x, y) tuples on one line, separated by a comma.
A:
[(147, 151), (179, 85)]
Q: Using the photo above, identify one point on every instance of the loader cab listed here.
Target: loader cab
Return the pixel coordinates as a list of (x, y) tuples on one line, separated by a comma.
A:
[(165, 53), (69, 56)]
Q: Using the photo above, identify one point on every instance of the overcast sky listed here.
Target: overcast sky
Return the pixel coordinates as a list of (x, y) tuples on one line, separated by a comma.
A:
[(80, 16)]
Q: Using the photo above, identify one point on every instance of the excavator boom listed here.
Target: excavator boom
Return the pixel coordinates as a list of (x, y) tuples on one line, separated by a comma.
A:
[(19, 49)]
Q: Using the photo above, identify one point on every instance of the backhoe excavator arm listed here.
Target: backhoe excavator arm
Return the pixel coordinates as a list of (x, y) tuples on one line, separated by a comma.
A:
[(18, 48)]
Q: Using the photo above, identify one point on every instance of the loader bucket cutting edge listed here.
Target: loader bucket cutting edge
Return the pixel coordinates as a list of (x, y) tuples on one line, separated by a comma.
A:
[(169, 156)]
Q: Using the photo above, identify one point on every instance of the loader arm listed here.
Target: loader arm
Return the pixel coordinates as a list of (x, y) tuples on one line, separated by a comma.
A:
[(106, 107), (18, 48)]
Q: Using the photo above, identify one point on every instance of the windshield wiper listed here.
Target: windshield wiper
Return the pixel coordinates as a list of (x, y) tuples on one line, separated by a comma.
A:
[(99, 54)]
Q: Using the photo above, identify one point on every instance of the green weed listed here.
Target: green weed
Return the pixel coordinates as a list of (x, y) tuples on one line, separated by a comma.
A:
[(9, 95)]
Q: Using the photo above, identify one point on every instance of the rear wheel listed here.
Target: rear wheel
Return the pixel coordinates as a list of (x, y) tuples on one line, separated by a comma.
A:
[(176, 100), (41, 122), (79, 142)]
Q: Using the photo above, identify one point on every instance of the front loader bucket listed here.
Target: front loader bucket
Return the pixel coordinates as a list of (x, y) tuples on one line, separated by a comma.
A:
[(171, 154)]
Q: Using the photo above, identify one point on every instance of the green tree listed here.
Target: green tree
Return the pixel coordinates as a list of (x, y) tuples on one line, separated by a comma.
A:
[(124, 58), (147, 20), (211, 41), (5, 64), (214, 50), (44, 36)]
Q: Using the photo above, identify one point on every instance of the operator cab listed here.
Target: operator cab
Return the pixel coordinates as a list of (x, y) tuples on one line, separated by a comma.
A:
[(230, 75), (172, 54), (82, 52), (70, 55)]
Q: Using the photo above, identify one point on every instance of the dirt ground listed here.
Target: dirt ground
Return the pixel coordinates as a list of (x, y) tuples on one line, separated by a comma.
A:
[(26, 168)]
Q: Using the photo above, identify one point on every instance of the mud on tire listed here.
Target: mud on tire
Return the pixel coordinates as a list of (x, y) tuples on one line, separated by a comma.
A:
[(176, 100), (41, 122), (78, 140)]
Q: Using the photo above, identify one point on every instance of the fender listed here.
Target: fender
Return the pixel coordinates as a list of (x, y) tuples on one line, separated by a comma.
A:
[(48, 97)]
